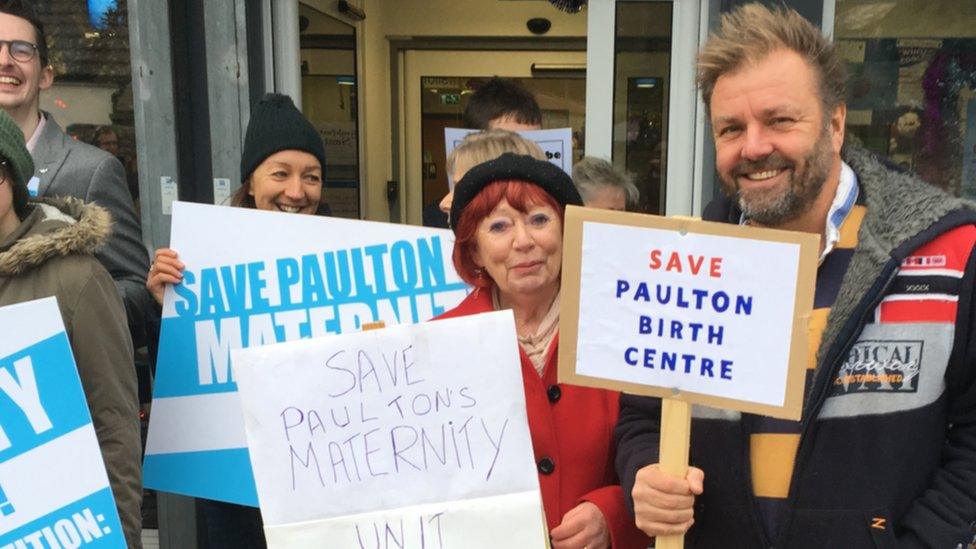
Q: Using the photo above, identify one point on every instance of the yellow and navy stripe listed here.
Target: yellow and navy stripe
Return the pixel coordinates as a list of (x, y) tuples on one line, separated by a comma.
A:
[(773, 442)]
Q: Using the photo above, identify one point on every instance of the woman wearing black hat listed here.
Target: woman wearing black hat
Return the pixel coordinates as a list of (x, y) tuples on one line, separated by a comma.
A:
[(507, 216), (282, 166)]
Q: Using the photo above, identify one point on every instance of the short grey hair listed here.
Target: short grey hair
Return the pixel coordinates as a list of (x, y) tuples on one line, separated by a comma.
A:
[(591, 172)]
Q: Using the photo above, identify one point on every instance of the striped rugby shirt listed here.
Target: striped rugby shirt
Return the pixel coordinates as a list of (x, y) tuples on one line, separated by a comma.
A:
[(773, 442)]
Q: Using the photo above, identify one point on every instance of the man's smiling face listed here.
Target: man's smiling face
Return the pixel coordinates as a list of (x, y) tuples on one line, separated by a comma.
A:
[(774, 149), (20, 82)]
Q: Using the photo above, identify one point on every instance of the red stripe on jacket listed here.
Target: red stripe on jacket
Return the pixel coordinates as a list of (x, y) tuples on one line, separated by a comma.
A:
[(945, 255)]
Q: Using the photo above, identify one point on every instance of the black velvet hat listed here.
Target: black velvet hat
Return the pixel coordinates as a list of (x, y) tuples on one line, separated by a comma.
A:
[(511, 166)]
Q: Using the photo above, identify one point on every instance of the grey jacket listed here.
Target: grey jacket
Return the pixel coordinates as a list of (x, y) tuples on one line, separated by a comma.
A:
[(66, 167)]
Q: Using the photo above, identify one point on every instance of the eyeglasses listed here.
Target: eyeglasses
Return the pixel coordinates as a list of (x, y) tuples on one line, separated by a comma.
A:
[(20, 50)]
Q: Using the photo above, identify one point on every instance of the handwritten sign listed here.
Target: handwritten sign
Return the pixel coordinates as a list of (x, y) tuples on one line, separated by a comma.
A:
[(278, 278), (54, 491), (709, 313), (411, 436), (556, 143)]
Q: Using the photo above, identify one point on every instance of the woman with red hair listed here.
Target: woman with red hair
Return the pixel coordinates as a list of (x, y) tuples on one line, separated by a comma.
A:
[(507, 216)]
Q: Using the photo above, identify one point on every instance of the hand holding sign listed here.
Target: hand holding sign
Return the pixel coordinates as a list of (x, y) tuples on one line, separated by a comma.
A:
[(692, 312), (282, 278), (664, 503)]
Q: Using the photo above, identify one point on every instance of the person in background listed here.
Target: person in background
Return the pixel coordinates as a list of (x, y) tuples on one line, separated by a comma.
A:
[(507, 216), (47, 249), (885, 452), (498, 104), (107, 139), (502, 103), (281, 167), (602, 186), (67, 167)]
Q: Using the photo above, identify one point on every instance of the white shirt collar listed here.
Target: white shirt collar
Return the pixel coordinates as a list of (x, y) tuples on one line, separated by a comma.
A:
[(844, 200), (36, 136)]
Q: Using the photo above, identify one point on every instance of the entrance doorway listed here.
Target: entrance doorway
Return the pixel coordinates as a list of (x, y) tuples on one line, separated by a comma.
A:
[(435, 88)]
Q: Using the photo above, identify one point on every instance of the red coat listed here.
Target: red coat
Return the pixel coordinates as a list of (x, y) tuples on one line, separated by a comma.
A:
[(572, 437)]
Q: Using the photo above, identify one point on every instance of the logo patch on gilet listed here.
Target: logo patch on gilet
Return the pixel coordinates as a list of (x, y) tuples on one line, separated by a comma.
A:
[(876, 366)]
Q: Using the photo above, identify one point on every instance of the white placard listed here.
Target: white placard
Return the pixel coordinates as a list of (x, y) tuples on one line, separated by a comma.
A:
[(418, 429), (716, 313), (697, 331), (556, 143), (270, 277)]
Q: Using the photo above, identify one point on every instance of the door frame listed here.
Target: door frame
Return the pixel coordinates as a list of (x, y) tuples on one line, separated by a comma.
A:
[(398, 212), (686, 114)]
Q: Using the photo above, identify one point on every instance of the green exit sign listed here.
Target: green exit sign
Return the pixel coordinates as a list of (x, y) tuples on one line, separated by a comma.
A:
[(451, 98)]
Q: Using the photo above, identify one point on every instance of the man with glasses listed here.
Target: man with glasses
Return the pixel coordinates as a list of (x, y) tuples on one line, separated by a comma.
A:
[(66, 167)]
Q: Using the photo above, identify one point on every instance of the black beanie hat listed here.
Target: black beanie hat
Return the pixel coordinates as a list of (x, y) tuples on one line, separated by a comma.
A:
[(517, 167), (20, 166), (277, 125)]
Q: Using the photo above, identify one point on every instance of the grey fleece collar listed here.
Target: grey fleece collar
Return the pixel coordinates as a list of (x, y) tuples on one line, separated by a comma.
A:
[(900, 206)]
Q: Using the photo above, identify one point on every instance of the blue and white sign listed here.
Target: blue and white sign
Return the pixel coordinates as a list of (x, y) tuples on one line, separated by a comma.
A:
[(278, 278), (54, 491)]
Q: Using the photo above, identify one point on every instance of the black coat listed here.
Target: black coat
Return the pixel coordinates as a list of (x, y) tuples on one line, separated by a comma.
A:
[(872, 470)]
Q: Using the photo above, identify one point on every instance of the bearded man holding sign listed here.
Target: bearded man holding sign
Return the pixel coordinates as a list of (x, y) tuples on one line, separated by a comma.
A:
[(885, 451)]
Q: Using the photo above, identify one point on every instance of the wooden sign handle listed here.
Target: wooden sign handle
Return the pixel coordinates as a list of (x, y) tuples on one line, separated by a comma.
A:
[(675, 445)]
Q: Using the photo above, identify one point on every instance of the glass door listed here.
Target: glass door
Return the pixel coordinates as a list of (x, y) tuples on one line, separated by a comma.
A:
[(435, 88), (641, 98), (329, 100)]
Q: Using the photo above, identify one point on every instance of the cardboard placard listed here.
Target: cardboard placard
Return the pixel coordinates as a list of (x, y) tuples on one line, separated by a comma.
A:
[(413, 435), (707, 313), (279, 277), (54, 491)]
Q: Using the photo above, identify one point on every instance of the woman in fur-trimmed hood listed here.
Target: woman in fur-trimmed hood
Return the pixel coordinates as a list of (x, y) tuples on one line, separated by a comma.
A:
[(46, 249)]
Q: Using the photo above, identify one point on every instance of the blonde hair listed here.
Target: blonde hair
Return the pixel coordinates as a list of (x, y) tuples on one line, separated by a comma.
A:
[(750, 32), (480, 147)]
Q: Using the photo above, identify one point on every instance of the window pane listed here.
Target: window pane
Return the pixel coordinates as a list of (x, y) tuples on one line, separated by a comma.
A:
[(91, 99), (642, 66), (912, 84), (329, 100)]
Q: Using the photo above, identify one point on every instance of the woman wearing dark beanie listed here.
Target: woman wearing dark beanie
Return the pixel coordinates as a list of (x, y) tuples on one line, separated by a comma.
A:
[(281, 167), (282, 170)]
